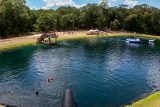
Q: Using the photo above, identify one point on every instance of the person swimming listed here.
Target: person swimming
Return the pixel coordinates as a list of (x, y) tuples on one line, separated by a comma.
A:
[(37, 93), (65, 83)]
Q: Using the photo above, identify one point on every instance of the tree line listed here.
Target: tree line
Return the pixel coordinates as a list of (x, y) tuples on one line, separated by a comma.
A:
[(16, 17)]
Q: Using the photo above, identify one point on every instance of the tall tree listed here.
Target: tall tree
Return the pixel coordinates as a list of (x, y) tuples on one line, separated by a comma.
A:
[(14, 17)]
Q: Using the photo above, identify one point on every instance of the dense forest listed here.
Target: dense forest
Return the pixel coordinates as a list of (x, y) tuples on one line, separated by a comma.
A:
[(16, 17)]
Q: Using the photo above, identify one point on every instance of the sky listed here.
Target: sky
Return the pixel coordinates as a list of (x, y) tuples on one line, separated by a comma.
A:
[(53, 4)]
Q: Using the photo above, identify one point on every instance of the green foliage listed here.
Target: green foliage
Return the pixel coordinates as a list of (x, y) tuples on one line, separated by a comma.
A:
[(131, 22), (115, 25), (46, 21), (16, 17)]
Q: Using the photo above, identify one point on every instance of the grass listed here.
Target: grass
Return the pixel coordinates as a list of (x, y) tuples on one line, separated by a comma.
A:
[(14, 46), (94, 36), (131, 34), (110, 35), (151, 101)]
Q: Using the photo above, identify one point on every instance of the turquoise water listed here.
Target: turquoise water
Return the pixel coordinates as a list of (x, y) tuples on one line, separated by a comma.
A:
[(100, 72)]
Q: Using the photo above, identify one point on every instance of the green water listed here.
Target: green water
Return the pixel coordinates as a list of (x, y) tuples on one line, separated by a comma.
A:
[(100, 72)]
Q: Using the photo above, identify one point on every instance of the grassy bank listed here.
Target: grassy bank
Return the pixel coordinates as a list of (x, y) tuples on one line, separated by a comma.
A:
[(14, 46), (109, 35), (30, 40), (151, 101), (17, 42)]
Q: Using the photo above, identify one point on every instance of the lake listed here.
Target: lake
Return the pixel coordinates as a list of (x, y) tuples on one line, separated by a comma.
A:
[(101, 72)]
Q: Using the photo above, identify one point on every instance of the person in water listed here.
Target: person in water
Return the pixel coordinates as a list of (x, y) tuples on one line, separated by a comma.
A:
[(37, 93), (65, 83)]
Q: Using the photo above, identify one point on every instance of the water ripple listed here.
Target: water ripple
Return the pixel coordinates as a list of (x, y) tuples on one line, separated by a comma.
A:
[(101, 72)]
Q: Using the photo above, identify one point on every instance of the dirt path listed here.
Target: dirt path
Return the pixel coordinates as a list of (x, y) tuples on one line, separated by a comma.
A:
[(13, 42)]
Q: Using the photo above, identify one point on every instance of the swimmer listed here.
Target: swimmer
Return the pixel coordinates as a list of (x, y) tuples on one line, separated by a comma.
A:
[(65, 83), (37, 93)]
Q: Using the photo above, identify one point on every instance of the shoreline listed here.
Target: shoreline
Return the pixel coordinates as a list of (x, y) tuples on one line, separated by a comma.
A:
[(152, 100), (12, 43)]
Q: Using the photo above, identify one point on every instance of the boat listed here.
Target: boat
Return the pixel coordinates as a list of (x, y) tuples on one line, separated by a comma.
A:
[(133, 40)]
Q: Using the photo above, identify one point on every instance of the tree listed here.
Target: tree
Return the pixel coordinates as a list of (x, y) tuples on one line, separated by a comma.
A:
[(115, 25), (92, 16), (131, 22), (14, 17), (47, 21)]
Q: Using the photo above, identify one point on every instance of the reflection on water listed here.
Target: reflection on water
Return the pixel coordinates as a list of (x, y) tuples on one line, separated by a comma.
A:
[(101, 72), (151, 44), (133, 44), (153, 73)]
